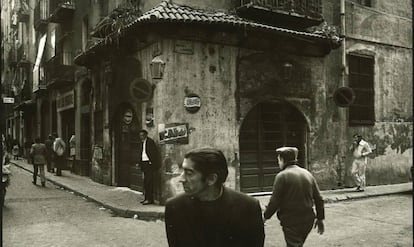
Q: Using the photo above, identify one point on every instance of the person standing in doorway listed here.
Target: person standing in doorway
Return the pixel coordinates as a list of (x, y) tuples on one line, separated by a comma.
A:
[(208, 213), (59, 146), (150, 163), (72, 152), (295, 191), (360, 150), (49, 153), (38, 155)]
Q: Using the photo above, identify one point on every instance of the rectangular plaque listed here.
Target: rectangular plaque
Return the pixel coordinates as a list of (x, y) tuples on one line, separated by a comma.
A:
[(184, 47)]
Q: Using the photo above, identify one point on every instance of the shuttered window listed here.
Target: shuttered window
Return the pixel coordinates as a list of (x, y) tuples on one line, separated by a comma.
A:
[(361, 80)]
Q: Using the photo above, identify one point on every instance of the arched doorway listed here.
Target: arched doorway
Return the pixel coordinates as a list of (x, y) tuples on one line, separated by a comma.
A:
[(126, 141), (267, 126)]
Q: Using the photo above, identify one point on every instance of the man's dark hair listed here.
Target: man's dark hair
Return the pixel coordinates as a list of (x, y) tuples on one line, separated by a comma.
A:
[(357, 135), (37, 140), (209, 161), (143, 131)]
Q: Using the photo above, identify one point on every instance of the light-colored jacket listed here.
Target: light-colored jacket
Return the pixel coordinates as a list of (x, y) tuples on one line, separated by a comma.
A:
[(38, 153), (59, 143)]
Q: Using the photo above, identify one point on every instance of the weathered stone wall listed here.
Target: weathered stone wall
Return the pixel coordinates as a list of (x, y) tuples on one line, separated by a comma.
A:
[(209, 72)]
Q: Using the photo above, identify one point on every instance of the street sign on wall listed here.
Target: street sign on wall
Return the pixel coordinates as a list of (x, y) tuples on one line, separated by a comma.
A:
[(8, 100), (174, 133)]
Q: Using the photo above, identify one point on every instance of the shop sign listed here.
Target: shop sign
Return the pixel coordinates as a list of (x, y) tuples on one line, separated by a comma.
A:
[(192, 103), (65, 101), (174, 133)]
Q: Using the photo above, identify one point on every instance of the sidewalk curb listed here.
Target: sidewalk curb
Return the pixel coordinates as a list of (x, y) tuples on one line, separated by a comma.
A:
[(126, 213), (152, 215)]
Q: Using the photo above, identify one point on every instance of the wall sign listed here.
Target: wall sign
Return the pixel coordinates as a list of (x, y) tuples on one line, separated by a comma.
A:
[(174, 133), (192, 103), (140, 90), (183, 47), (65, 101), (344, 96)]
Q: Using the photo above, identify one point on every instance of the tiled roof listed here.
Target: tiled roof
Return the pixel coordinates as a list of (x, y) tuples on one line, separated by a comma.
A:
[(168, 12)]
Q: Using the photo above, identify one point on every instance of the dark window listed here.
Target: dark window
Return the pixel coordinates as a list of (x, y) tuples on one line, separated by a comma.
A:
[(361, 80), (367, 3)]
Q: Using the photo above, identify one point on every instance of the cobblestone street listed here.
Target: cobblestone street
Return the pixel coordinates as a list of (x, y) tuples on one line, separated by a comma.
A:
[(36, 216)]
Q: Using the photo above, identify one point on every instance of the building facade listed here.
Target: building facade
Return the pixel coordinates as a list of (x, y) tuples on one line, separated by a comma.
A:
[(246, 77)]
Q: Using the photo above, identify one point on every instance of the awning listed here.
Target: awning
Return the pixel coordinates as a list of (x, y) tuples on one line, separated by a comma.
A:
[(40, 50), (25, 105)]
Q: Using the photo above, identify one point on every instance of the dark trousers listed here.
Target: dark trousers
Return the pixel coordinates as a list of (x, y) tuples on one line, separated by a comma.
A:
[(59, 163), (295, 236), (148, 180)]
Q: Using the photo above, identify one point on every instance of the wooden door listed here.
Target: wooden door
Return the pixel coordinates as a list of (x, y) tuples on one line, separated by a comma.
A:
[(266, 127)]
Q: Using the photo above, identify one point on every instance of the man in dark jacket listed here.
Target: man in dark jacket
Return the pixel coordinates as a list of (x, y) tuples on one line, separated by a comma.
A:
[(208, 214), (49, 153), (150, 163), (295, 191)]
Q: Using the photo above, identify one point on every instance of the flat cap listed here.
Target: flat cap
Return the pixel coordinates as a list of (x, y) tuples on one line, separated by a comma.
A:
[(293, 151)]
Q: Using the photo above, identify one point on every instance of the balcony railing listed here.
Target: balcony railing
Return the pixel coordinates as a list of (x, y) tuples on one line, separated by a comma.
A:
[(303, 13), (12, 57), (41, 14), (61, 10), (59, 70)]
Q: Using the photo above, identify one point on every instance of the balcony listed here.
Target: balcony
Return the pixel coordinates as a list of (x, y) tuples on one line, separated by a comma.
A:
[(61, 10), (58, 72), (296, 14), (41, 15), (22, 57)]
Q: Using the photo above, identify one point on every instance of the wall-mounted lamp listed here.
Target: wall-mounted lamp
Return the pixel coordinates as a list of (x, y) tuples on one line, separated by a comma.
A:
[(287, 70), (157, 66)]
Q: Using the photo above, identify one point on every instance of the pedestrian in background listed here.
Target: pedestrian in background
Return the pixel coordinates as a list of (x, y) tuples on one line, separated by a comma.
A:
[(49, 153), (150, 163), (15, 149), (59, 147), (295, 191), (360, 150), (209, 214), (38, 155)]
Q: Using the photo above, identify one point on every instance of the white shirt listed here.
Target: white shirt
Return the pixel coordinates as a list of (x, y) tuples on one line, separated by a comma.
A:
[(144, 155), (362, 150)]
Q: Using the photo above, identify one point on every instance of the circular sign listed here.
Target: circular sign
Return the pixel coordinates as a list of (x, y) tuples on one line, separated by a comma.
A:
[(192, 103), (140, 89), (344, 96)]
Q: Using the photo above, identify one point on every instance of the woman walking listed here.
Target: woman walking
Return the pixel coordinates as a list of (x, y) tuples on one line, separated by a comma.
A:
[(38, 155)]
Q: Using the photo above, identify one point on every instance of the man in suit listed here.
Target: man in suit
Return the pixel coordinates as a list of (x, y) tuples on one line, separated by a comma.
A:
[(209, 214), (150, 163)]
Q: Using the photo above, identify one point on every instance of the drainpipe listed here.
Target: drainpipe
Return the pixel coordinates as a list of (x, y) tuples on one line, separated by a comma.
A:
[(342, 148)]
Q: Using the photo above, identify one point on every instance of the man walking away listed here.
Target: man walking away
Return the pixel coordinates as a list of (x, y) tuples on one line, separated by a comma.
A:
[(360, 150), (38, 155), (209, 214), (150, 163), (59, 146), (294, 192)]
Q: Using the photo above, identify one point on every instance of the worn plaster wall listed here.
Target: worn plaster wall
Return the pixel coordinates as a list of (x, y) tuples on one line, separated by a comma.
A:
[(209, 72), (384, 32)]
